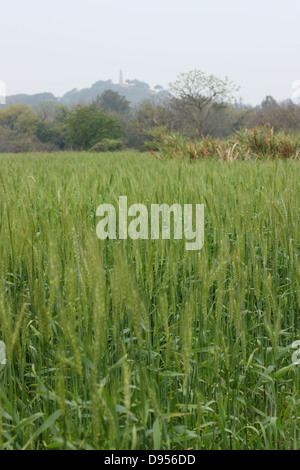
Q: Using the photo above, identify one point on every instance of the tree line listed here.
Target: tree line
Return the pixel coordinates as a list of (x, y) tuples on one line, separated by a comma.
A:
[(197, 106)]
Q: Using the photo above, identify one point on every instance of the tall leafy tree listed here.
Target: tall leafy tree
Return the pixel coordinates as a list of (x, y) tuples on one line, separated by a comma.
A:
[(112, 101), (19, 118), (88, 125), (195, 93)]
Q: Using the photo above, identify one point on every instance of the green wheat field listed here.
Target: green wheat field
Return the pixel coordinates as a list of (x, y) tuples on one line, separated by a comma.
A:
[(141, 344)]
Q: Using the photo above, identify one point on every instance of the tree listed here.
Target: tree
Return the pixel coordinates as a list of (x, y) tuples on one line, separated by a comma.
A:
[(195, 93), (18, 125), (112, 101), (88, 125), (19, 118), (268, 102), (275, 115), (52, 124), (18, 128), (46, 111), (147, 117)]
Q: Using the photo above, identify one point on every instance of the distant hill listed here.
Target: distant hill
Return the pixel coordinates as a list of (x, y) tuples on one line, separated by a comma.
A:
[(134, 90)]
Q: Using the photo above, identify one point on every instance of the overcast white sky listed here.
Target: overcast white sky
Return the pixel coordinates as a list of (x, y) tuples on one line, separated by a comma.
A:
[(58, 45)]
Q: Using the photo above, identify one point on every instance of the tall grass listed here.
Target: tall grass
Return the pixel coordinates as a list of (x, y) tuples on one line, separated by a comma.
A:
[(260, 143), (142, 344)]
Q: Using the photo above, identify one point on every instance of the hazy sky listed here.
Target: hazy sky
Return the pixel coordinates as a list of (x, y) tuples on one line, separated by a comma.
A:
[(58, 45)]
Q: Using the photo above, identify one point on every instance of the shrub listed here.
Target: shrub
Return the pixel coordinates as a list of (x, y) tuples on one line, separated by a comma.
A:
[(259, 143), (264, 142)]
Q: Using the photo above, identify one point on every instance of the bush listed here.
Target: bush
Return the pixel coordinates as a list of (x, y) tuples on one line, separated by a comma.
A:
[(108, 145), (264, 142), (13, 142), (258, 143)]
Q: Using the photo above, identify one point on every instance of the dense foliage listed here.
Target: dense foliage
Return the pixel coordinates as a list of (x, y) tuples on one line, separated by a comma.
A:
[(88, 125), (200, 106)]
